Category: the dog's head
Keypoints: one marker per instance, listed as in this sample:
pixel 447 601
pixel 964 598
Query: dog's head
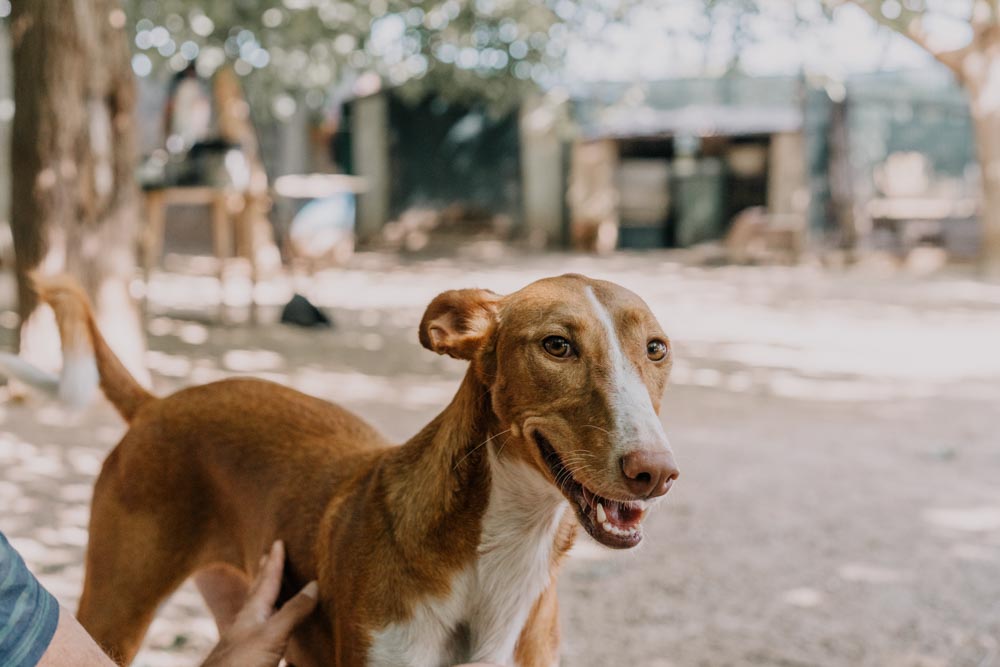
pixel 576 369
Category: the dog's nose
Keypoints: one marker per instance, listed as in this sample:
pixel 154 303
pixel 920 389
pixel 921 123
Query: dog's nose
pixel 649 473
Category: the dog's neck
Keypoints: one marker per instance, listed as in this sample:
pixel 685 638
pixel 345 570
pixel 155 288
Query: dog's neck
pixel 490 518
pixel 438 485
pixel 441 479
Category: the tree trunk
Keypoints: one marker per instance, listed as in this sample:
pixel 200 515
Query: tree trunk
pixel 842 199
pixel 986 122
pixel 74 202
pixel 977 69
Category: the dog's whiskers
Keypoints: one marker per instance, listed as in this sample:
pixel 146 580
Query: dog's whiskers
pixel 502 445
pixel 473 450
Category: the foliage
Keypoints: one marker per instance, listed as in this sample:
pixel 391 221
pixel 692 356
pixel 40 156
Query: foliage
pixel 947 29
pixel 492 50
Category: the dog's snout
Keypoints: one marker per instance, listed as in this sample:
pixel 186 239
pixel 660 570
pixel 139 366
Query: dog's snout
pixel 649 473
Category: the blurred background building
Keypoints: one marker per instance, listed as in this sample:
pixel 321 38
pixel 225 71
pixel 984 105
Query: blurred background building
pixel 804 143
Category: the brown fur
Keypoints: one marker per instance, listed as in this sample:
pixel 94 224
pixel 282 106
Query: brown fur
pixel 205 479
pixel 77 330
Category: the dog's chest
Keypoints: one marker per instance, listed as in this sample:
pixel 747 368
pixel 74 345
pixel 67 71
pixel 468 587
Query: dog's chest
pixel 482 617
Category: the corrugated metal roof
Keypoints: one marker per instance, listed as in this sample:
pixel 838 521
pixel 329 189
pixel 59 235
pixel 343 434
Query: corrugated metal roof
pixel 694 120
pixel 733 105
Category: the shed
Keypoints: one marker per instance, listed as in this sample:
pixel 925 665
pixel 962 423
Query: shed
pixel 684 157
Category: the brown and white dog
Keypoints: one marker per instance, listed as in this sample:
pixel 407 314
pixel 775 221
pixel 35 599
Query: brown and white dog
pixel 438 551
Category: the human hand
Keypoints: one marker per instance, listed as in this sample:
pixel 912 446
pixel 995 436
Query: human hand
pixel 259 635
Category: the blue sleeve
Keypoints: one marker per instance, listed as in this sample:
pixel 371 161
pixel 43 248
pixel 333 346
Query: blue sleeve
pixel 28 613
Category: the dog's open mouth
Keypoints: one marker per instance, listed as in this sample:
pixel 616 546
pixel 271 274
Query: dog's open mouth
pixel 613 523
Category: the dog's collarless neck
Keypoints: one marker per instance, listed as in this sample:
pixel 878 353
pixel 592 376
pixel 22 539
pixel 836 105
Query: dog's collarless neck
pixel 437 483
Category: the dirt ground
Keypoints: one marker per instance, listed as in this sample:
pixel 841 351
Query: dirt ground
pixel 837 434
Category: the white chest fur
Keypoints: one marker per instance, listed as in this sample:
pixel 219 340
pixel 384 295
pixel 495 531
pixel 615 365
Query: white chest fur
pixel 493 596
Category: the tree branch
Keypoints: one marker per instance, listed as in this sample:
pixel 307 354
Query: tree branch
pixel 909 25
pixel 987 18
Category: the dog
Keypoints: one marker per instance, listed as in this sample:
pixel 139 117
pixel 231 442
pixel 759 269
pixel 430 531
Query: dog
pixel 441 550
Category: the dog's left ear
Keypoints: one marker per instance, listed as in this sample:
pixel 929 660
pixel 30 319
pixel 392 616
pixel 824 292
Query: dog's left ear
pixel 458 321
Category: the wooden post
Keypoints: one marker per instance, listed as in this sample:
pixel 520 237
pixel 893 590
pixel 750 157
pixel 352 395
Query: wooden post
pixel 222 237
pixel 152 234
pixel 593 195
pixel 541 172
pixel 370 154
pixel 788 188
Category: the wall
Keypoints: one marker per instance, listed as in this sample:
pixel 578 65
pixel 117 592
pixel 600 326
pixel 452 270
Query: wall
pixel 448 153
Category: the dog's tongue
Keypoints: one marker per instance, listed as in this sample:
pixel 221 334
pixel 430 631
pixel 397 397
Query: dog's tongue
pixel 618 514
pixel 624 516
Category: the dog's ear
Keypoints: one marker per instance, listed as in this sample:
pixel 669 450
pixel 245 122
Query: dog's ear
pixel 458 321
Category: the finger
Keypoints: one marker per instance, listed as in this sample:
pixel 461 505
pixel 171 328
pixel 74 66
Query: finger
pixel 255 583
pixel 264 592
pixel 280 626
pixel 264 565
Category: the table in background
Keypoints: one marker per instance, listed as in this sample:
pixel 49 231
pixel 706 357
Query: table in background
pixel 232 229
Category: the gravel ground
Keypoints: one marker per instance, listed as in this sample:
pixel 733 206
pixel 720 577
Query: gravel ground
pixel 837 433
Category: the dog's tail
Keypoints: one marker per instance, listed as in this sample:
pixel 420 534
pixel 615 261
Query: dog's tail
pixel 87 359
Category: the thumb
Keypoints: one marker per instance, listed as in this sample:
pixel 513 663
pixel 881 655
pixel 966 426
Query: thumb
pixel 293 612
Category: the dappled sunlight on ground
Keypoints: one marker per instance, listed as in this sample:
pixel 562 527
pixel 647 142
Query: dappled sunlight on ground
pixel 790 331
pixel 837 437
pixel 971 519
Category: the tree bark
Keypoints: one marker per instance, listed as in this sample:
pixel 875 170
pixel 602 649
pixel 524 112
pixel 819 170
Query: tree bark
pixel 976 66
pixel 985 108
pixel 74 202
pixel 842 199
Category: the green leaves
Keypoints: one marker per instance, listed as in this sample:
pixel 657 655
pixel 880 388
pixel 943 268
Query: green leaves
pixel 493 50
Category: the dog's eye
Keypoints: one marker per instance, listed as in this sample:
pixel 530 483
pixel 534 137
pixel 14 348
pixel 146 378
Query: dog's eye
pixel 557 346
pixel 656 350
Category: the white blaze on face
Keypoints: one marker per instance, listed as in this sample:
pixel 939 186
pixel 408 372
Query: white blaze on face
pixel 636 424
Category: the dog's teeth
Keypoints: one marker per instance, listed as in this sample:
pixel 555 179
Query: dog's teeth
pixel 601 516
pixel 631 531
